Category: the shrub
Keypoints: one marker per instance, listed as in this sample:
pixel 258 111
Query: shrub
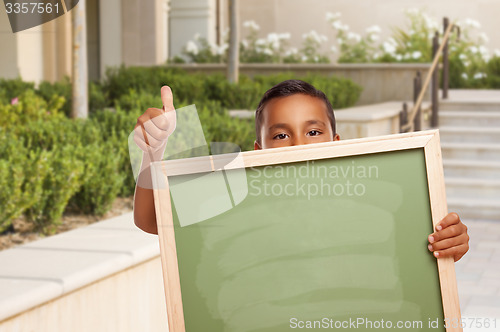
pixel 62 182
pixel 493 72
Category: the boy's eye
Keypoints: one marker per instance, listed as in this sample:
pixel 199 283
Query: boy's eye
pixel 314 133
pixel 280 136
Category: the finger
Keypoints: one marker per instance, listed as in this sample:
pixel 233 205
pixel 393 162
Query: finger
pixel 165 122
pixel 140 133
pixel 455 252
pixel 140 143
pixel 450 219
pixel 155 133
pixel 450 242
pixel 448 232
pixel 167 98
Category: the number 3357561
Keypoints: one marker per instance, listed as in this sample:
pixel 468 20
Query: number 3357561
pixel 31 8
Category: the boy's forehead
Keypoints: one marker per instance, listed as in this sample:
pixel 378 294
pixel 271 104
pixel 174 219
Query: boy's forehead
pixel 295 108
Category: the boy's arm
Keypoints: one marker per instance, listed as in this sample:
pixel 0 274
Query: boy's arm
pixel 450 238
pixel 150 134
pixel 144 208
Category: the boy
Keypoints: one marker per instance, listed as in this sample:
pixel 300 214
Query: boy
pixel 292 112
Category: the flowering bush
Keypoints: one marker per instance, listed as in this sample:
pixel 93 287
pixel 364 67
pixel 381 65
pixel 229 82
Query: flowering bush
pixel 272 49
pixel 468 56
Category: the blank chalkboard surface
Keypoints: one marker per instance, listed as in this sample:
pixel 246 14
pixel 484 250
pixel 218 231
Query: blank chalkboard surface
pixel 330 235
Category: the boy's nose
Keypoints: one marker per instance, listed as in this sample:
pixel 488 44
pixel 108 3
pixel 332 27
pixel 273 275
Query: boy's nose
pixel 298 140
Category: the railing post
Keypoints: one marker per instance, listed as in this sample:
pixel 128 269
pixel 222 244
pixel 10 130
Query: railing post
pixel 435 84
pixel 446 66
pixel 417 87
pixel 403 117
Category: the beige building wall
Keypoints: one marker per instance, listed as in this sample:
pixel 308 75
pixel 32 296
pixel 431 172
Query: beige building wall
pixel 300 16
pixel 8 54
pixel 190 17
pixel 130 32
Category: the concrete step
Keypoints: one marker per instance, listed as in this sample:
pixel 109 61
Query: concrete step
pixel 469 118
pixel 471 151
pixel 467 188
pixel 471 169
pixel 469 134
pixel 458 105
pixel 474 209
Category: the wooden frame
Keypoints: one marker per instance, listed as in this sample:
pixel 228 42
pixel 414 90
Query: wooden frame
pixel 429 140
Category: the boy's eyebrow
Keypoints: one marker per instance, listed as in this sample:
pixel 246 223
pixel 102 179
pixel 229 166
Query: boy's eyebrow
pixel 278 126
pixel 286 126
pixel 312 122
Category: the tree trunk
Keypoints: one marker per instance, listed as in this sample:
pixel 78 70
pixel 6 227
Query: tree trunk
pixel 79 107
pixel 234 52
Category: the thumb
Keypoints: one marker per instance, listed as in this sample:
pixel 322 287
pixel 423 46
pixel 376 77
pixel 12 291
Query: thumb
pixel 167 98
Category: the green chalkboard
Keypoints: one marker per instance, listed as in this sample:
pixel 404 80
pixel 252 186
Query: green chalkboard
pixel 317 243
pixel 324 236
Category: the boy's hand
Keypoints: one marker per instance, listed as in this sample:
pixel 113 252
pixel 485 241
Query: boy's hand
pixel 154 126
pixel 450 238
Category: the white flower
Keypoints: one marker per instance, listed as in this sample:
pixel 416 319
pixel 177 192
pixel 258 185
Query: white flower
pixel 466 63
pixel 340 41
pixel 483 37
pixel 416 55
pixel 465 76
pixel 399 57
pixel 291 51
pixel 191 47
pixel 251 25
pixel 472 23
pixel 334 49
pixel 332 16
pixel 316 59
pixel 376 56
pixel 374 29
pixel 355 36
pixel 222 49
pixel 496 52
pixel 304 58
pixel 314 36
pixel 392 41
pixel 478 76
pixel 267 51
pixel 462 57
pixel 430 23
pixel 411 32
pixel 374 37
pixel 245 43
pixel 389 48
pixel 483 50
pixel 214 49
pixel 260 42
pixel 473 49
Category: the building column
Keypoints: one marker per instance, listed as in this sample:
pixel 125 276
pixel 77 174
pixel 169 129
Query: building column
pixel 190 17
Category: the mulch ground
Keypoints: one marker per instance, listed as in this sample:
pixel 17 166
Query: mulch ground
pixel 22 232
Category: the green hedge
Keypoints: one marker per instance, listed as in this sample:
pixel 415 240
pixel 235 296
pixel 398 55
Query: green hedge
pixel 50 163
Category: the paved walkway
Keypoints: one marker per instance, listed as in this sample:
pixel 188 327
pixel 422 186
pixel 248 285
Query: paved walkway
pixel 478 273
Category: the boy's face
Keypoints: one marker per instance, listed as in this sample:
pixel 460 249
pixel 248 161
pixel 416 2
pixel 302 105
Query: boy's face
pixel 295 120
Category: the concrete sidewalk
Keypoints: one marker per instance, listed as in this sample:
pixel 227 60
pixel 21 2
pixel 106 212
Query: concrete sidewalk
pixel 478 273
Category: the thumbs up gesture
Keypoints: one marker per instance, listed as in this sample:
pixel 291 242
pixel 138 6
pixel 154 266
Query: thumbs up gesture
pixel 154 127
pixel 151 133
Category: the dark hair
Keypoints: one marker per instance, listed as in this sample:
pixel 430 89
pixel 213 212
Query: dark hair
pixel 289 88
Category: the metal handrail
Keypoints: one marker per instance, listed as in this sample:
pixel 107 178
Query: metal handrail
pixel 409 126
